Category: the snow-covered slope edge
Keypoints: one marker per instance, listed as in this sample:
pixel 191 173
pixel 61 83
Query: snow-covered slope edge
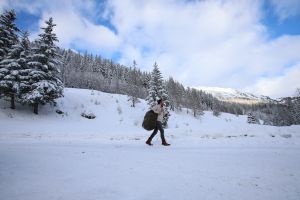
pixel 116 120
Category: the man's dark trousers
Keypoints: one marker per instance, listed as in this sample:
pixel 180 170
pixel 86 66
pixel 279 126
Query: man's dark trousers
pixel 159 127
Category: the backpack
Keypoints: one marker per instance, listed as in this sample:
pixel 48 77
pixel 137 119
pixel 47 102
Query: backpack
pixel 149 122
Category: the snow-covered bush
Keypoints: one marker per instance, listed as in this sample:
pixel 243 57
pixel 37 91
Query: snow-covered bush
pixel 88 115
pixel 216 113
pixel 59 112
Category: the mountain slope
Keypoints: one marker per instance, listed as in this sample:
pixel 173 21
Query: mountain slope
pixel 233 95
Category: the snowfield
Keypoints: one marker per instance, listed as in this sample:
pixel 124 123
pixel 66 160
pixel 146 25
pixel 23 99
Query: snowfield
pixel 66 156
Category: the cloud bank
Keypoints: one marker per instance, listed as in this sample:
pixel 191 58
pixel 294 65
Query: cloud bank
pixel 200 43
pixel 75 26
pixel 212 43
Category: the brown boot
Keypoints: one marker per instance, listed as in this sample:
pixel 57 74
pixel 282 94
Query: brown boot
pixel 149 142
pixel 165 143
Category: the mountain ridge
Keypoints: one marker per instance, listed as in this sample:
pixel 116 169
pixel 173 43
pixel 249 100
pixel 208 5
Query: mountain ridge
pixel 233 95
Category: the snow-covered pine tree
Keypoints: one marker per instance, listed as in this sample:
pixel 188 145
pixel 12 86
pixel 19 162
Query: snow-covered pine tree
pixel 295 108
pixel 25 58
pixel 132 91
pixel 45 81
pixel 297 111
pixel 8 37
pixel 251 119
pixel 8 32
pixel 15 78
pixel 156 91
pixel 171 87
pixel 195 101
pixel 152 87
pixel 132 87
pixel 216 108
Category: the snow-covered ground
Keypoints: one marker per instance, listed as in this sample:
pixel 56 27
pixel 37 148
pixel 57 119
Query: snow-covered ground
pixel 66 156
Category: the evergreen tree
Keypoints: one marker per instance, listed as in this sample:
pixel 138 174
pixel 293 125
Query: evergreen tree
pixel 156 91
pixel 175 94
pixel 132 88
pixel 251 119
pixel 8 38
pixel 155 85
pixel 196 103
pixel 25 58
pixel 132 91
pixel 295 108
pixel 296 111
pixel 8 32
pixel 15 79
pixel 46 85
pixel 216 108
pixel 281 115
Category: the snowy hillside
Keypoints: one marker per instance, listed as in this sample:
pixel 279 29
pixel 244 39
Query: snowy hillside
pixel 66 156
pixel 229 94
pixel 116 119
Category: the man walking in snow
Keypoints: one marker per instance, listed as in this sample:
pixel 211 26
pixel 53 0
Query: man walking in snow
pixel 159 109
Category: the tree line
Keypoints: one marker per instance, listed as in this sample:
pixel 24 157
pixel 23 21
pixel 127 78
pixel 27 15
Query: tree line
pixel 94 72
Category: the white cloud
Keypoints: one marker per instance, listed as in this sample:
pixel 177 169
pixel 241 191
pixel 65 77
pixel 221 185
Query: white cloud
pixel 76 31
pixel 213 43
pixel 279 86
pixel 286 8
pixel 75 25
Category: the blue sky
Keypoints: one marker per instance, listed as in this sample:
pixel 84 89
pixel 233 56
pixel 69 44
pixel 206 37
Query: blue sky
pixel 252 45
pixel 278 27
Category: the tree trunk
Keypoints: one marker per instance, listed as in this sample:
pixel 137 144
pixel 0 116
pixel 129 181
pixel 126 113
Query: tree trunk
pixel 12 101
pixel 36 108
